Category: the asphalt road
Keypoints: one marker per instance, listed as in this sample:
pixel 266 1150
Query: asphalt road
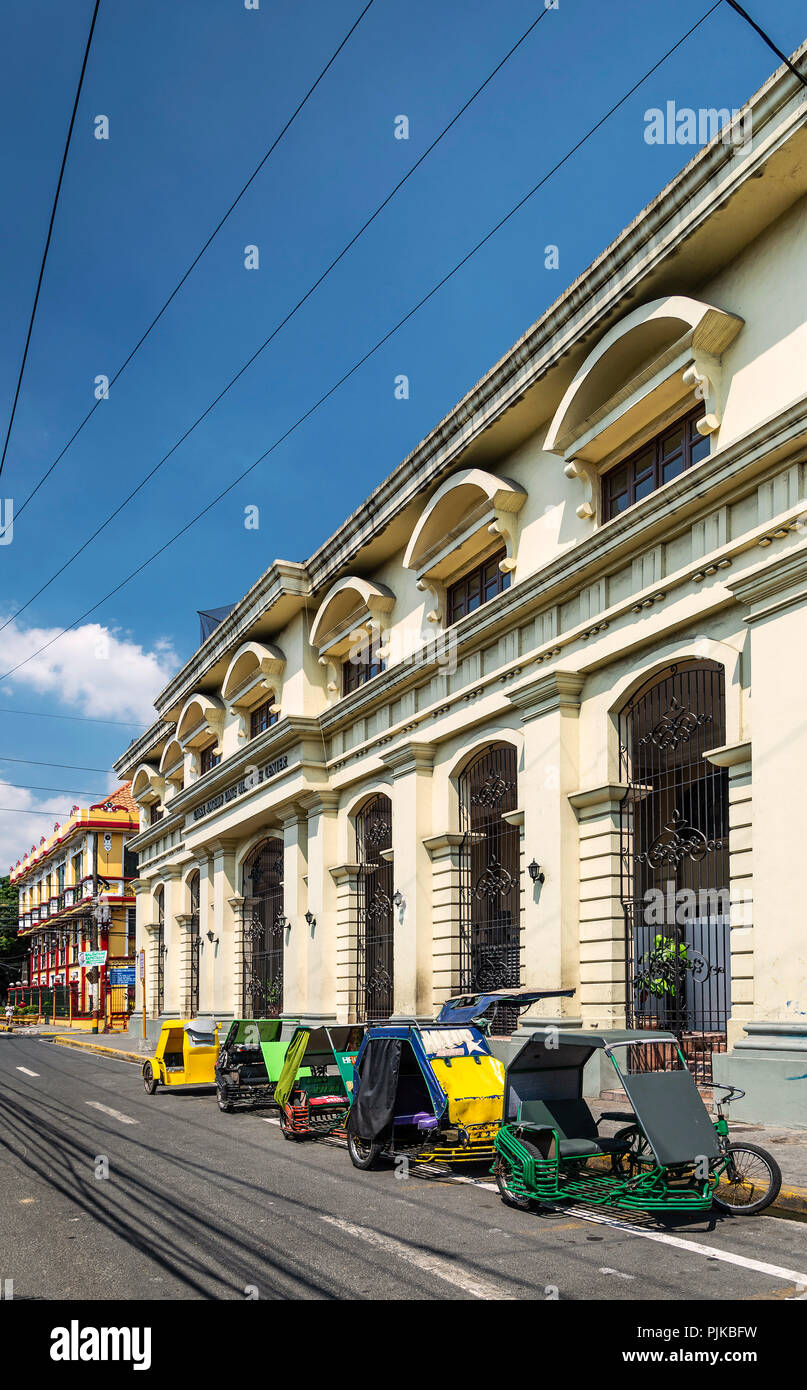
pixel 201 1205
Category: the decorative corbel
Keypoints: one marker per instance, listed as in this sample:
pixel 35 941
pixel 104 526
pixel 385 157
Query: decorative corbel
pixel 704 377
pixel 331 677
pixel 577 468
pixel 438 595
pixel 505 524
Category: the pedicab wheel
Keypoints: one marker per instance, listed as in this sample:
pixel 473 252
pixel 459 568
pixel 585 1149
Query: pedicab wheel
pixel 287 1131
pixel 637 1152
pixel 149 1079
pixel 363 1152
pixel 750 1181
pixel 224 1105
pixel 503 1173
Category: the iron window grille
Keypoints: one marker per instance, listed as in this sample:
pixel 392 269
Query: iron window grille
pixel 476 587
pixel 375 938
pixel 673 451
pixel 262 718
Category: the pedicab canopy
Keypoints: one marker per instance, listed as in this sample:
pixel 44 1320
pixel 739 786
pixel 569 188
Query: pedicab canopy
pixel 320 1047
pixel 468 1008
pixel 545 1081
pixel 253 1032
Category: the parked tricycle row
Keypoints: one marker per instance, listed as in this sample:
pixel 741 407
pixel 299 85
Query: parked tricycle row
pixel 435 1094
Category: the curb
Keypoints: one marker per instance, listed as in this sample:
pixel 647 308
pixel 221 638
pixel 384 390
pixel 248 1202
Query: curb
pixel 62 1041
pixel 792 1199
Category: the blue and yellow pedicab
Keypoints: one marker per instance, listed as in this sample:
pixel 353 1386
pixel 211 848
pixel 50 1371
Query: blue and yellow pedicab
pixel 433 1092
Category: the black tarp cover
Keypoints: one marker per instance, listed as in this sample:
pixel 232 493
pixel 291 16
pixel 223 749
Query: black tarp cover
pixel 372 1111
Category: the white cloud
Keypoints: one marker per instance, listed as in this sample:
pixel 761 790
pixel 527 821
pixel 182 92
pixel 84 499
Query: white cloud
pixel 91 670
pixel 20 831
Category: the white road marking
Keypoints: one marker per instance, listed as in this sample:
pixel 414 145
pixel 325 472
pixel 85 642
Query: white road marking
pixel 618 1272
pixel 267 1120
pixel 712 1252
pixel 432 1264
pixel 116 1114
pixel 27 1071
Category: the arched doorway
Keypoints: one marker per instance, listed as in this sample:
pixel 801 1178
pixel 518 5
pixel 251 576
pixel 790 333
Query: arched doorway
pixel 674 844
pixel 159 899
pixel 195 944
pixel 490 887
pixel 264 921
pixel 375 967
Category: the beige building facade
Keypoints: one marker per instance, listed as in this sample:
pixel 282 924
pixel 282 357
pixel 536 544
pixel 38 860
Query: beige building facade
pixel 535 713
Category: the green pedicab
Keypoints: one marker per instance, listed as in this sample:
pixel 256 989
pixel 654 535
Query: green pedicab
pixel 249 1063
pixel 671 1156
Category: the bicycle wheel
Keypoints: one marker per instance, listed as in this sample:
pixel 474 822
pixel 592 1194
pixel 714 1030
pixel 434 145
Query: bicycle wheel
pixel 503 1172
pixel 626 1164
pixel 750 1181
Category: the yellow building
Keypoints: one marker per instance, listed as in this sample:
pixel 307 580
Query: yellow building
pixel 76 896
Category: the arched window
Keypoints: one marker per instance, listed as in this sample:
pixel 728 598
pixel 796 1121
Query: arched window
pixel 490 888
pixel 195 943
pixel 264 922
pixel 375 970
pixel 159 902
pixel 674 833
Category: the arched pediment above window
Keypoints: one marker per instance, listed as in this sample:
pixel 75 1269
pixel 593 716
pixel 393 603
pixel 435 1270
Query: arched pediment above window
pixel 459 519
pixel 172 762
pixel 255 670
pixel 648 367
pixel 148 786
pixel 201 716
pixel 351 604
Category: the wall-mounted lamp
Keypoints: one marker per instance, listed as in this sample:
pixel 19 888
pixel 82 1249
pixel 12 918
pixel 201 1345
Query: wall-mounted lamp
pixel 535 872
pixel 397 897
pixel 211 936
pixel 310 919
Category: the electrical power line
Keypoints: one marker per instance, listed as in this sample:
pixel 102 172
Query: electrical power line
pixel 371 351
pixel 48 237
pixel 34 762
pixel 768 40
pixel 23 811
pixel 68 791
pixel 278 327
pixel 78 718
pixel 198 256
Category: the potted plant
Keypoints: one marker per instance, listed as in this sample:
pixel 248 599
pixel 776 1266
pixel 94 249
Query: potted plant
pixel 658 973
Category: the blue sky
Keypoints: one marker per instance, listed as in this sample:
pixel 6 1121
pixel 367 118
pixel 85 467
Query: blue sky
pixel 195 91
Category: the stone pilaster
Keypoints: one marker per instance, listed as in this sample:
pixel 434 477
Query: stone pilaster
pixel 295 905
pixel 413 946
pixel 549 707
pixel 346 878
pixel 226 999
pixel 187 945
pixel 737 759
pixel 321 933
pixel 603 990
pixel 444 852
pixel 172 955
